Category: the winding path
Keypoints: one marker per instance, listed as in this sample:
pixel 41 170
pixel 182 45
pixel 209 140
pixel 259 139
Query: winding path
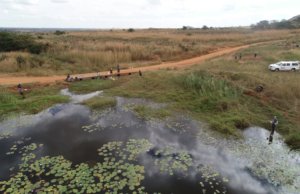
pixel 9 80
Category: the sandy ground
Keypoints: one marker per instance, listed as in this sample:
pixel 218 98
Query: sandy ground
pixel 9 80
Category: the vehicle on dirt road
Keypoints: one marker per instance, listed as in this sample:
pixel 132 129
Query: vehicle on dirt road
pixel 285 66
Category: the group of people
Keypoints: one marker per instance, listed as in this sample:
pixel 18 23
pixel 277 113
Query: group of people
pixel 119 71
pixel 239 56
pixel 110 73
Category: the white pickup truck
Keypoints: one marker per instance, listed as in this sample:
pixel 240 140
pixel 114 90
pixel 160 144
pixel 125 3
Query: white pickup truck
pixel 285 66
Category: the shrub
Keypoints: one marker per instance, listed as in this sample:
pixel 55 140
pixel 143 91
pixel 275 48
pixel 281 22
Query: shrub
pixel 36 48
pixel 36 61
pixel 58 32
pixel 130 30
pixel 2 57
pixel 20 60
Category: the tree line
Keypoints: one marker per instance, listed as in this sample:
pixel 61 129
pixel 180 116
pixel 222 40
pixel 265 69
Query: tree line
pixel 283 24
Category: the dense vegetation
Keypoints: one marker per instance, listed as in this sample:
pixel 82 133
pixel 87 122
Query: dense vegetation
pixel 20 42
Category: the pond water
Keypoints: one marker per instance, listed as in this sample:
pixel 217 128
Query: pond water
pixel 116 151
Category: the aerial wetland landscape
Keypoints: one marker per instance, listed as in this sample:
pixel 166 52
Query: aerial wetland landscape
pixel 169 111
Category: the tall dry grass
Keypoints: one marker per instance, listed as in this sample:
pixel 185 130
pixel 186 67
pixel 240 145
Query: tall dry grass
pixel 78 52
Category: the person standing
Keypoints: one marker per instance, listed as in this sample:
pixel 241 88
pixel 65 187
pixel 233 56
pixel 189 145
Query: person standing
pixel 118 68
pixel 274 123
pixel 20 90
pixel 68 77
pixel 118 71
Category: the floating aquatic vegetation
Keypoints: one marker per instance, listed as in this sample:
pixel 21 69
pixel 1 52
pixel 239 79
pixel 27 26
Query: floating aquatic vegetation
pixel 271 164
pixel 128 151
pixel 212 179
pixel 93 127
pixel 115 176
pixel 22 150
pixel 5 135
pixel 128 107
pixel 176 127
pixel 58 175
pixel 135 147
pixel 170 161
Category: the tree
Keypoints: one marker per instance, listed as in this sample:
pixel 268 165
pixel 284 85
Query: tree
pixel 58 32
pixel 130 30
pixel 184 27
pixel 205 27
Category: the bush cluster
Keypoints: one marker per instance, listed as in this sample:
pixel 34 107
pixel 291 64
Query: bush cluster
pixel 17 42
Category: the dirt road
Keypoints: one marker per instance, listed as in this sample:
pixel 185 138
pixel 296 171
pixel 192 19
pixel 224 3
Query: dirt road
pixel 8 80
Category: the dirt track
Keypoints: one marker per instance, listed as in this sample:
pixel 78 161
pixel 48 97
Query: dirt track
pixel 8 80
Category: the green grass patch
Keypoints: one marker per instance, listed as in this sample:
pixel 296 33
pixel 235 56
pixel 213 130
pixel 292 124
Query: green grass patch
pixel 100 102
pixel 294 141
pixel 88 86
pixel 36 100
pixel 148 113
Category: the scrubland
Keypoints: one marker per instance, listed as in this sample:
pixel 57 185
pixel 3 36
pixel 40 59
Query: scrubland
pixel 92 51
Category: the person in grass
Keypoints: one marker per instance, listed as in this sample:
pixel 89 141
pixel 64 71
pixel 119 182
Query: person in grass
pixel 20 90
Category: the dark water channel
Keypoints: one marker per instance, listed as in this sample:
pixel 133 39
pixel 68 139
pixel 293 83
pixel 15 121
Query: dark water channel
pixel 61 131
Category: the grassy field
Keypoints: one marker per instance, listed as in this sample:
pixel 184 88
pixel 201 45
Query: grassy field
pixel 220 91
pixel 79 52
pixel 100 102
pixel 37 99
